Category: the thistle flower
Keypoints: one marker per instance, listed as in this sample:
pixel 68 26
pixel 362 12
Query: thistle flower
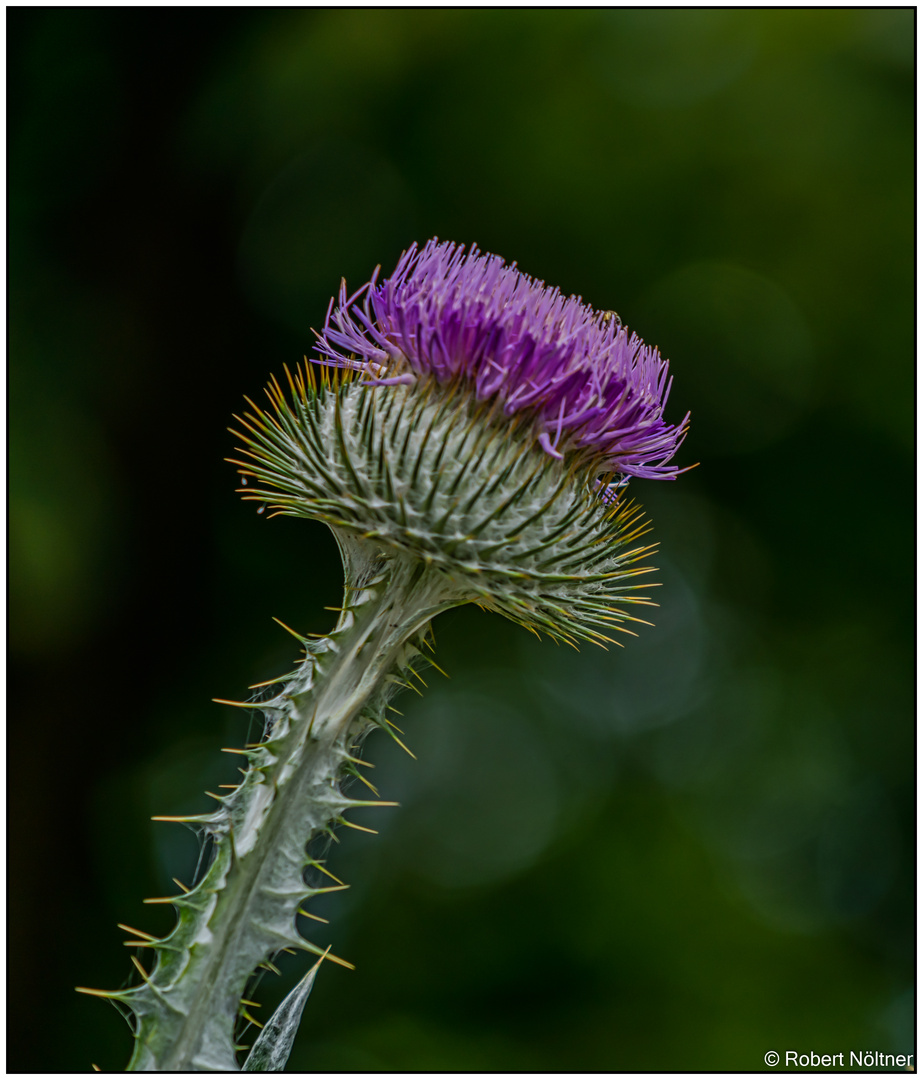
pixel 485 424
pixel 588 384
pixel 468 440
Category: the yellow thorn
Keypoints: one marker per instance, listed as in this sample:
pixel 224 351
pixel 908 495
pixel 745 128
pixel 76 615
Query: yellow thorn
pixel 402 746
pixel 270 966
pixel 327 872
pixel 255 1004
pixel 328 955
pixel 291 952
pixel 308 915
pixel 160 900
pixel 98 993
pixel 249 1018
pixel 294 633
pixel 132 930
pixel 212 795
pixel 291 381
pixel 353 825
pixel 369 785
pixel 233 787
pixel 239 704
pixel 322 958
pixel 168 817
pixel 324 955
pixel 405 685
pixel 181 885
pixel 274 385
pixel 231 750
pixel 96 1068
pixel 137 963
pixel 258 685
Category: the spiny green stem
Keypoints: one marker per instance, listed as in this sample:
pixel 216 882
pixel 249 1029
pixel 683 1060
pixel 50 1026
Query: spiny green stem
pixel 243 910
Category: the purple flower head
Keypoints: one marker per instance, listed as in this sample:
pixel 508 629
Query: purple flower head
pixel 589 384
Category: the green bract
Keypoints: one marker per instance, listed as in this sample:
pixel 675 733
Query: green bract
pixel 429 471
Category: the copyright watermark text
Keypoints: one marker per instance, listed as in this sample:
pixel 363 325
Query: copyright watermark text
pixel 862 1059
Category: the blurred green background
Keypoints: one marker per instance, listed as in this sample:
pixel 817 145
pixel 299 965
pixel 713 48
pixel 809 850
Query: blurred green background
pixel 674 856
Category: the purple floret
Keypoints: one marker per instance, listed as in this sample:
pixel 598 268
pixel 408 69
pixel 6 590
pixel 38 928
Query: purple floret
pixel 589 384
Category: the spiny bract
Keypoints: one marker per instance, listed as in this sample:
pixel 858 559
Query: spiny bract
pixel 431 471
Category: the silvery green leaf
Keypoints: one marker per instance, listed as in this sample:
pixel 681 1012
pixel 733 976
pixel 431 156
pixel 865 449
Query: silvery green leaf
pixel 271 1050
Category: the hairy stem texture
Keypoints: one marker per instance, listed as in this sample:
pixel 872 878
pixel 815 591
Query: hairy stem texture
pixel 243 910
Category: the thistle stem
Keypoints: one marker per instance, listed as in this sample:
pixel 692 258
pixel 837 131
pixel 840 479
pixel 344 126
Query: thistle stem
pixel 243 910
